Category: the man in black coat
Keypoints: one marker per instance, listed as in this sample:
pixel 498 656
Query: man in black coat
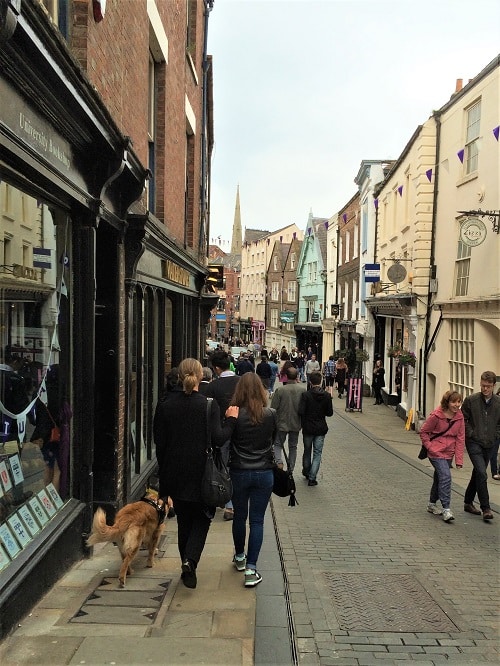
pixel 221 390
pixel 315 404
pixel 264 371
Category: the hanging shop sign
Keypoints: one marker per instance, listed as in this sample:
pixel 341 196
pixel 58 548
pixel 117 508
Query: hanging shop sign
pixel 372 272
pixel 287 317
pixel 473 232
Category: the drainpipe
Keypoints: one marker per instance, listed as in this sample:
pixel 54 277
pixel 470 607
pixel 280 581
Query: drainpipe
pixel 423 375
pixel 204 230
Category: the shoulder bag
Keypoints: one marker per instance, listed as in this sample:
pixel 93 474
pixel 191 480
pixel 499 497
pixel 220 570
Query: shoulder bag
pixel 216 485
pixel 423 451
pixel 284 484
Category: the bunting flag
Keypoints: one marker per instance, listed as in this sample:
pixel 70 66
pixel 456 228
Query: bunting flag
pixel 400 190
pixel 344 217
pixel 326 224
pixel 294 235
pixel 428 173
pixel 281 239
pixel 309 231
pixel 496 131
pixel 461 154
pixel 375 203
pixel 268 241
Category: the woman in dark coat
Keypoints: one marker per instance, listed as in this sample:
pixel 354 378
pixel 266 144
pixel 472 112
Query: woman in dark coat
pixel 378 382
pixel 180 433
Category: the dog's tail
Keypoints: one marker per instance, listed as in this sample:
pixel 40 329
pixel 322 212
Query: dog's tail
pixel 100 531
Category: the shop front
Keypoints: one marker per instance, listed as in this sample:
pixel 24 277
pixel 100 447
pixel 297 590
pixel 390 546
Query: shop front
pixel 310 335
pixel 68 178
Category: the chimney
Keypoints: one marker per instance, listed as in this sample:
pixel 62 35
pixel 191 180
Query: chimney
pixel 458 87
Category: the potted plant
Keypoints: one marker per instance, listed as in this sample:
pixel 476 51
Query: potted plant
pixel 404 356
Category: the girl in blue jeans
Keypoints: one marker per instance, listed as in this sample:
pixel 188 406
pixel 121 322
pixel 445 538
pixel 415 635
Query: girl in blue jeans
pixel 251 465
pixel 443 435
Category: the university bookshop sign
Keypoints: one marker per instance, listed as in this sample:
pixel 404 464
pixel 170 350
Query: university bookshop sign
pixel 473 232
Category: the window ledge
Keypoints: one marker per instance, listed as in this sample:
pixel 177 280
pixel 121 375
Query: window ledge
pixel 468 178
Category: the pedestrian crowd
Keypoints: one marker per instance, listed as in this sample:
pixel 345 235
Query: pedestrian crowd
pixel 256 411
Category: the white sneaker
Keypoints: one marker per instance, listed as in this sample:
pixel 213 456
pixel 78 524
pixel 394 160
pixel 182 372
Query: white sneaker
pixel 252 578
pixel 448 516
pixel 433 508
pixel 240 563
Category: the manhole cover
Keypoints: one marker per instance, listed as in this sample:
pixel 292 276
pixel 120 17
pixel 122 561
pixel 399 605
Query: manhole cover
pixel 139 603
pixel 386 602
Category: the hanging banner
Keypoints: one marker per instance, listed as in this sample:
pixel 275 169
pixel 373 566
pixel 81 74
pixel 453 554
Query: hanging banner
pixel 372 272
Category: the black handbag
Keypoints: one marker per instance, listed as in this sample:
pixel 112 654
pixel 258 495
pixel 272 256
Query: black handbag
pixel 284 483
pixel 216 485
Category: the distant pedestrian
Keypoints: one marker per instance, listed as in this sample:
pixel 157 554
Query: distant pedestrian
pixel 300 363
pixel 341 375
pixel 329 374
pixel 206 379
pixel 264 372
pixel 243 365
pixel 494 456
pixel 482 428
pixel 274 374
pixel 282 376
pixel 378 381
pixel 312 365
pixel 443 435
pixel 315 404
pixel 286 401
pixel 251 465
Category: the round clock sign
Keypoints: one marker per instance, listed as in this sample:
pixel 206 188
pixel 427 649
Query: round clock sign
pixel 473 232
pixel 396 273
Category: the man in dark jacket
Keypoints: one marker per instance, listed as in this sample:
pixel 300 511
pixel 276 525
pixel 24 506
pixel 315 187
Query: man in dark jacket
pixel 482 427
pixel 221 390
pixel 243 365
pixel 264 371
pixel 315 404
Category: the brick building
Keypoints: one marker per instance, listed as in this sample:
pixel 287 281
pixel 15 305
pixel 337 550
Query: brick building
pixel 104 199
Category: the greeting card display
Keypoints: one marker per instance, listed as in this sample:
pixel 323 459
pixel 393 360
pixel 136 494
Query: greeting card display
pixel 28 519
pixel 38 511
pixel 46 503
pixel 9 541
pixel 54 495
pixel 19 529
pixel 4 560
pixel 16 469
pixel 5 477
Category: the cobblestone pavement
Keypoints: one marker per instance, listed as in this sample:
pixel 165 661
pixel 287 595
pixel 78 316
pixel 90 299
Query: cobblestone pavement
pixel 375 579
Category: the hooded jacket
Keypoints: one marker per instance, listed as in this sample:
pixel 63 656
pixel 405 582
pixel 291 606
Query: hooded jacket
pixel 448 445
pixel 314 406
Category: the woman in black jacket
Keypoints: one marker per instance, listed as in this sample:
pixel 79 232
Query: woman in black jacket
pixel 180 433
pixel 378 382
pixel 251 464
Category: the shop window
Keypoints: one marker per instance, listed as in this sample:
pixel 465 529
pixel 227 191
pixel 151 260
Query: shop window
pixel 462 356
pixel 35 404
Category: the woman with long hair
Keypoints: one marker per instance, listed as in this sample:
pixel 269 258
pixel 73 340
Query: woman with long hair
pixel 251 463
pixel 443 435
pixel 378 381
pixel 341 375
pixel 181 435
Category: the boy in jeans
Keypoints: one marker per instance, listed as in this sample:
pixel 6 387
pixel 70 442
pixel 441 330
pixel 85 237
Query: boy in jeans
pixel 315 404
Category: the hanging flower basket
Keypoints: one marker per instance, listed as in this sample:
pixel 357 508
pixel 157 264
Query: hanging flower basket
pixel 404 356
pixel 362 355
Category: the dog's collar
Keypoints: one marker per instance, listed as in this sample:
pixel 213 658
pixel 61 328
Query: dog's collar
pixel 160 508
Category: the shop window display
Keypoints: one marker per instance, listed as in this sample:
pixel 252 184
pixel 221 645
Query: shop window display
pixel 35 411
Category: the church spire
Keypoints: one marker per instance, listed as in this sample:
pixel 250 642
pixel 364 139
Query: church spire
pixel 237 238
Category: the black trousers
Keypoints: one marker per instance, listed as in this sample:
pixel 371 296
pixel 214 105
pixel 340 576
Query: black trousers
pixel 193 524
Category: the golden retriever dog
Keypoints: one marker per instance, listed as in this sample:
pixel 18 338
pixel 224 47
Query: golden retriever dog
pixel 136 523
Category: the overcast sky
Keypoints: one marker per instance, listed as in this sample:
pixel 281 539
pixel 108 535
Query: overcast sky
pixel 304 90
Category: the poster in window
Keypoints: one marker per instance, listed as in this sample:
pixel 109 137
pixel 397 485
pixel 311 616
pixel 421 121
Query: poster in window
pixel 54 495
pixel 29 520
pixel 9 541
pixel 19 529
pixel 5 477
pixel 38 511
pixel 46 503
pixel 15 468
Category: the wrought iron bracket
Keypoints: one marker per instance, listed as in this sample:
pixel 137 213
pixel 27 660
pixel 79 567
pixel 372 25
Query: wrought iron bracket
pixel 492 215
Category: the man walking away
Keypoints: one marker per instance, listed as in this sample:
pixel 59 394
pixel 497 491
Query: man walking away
pixel 286 401
pixel 243 365
pixel 221 390
pixel 482 427
pixel 315 404
pixel 264 372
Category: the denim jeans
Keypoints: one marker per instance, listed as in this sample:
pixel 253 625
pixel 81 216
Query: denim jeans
pixel 312 443
pixel 293 440
pixel 478 483
pixel 441 485
pixel 251 493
